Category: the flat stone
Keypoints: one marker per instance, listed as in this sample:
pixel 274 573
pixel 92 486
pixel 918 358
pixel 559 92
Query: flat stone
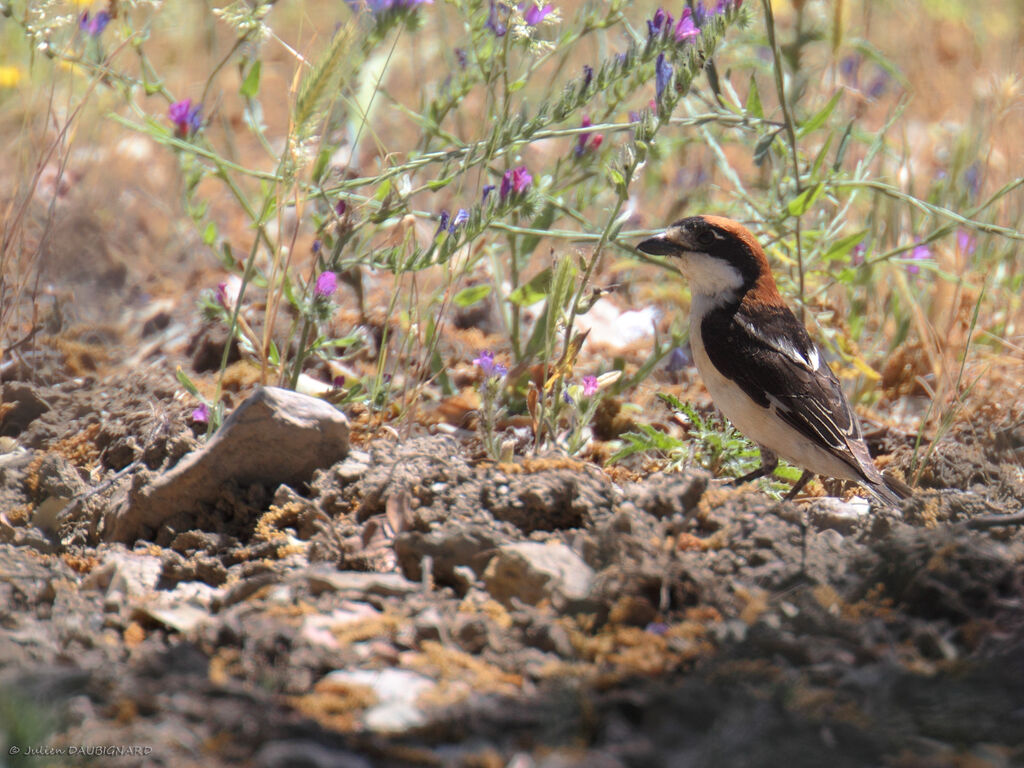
pixel 356 583
pixel 125 573
pixel 276 436
pixel 531 572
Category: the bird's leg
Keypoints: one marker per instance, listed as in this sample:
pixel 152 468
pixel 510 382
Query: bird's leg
pixel 769 461
pixel 804 479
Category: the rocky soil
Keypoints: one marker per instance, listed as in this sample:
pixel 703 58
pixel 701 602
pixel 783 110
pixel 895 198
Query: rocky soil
pixel 412 604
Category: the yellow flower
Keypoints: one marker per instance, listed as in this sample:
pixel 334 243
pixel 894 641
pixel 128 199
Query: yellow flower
pixel 10 76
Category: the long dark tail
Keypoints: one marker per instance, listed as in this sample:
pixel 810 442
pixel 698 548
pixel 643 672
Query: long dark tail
pixel 890 491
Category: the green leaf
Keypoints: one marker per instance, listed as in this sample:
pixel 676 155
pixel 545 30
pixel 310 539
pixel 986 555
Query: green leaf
pixel 842 247
pixel 186 382
pixel 467 297
pixel 843 146
pixel 226 257
pixel 764 145
pixel 440 183
pixel 382 190
pixel 847 275
pixel 251 84
pixel 533 291
pixel 819 119
pixel 753 106
pixel 323 159
pixel 800 204
pixel 820 159
pixel 210 233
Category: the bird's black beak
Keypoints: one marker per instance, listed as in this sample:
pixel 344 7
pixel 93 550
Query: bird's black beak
pixel 658 246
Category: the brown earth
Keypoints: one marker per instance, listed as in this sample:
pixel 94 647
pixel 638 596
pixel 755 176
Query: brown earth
pixel 394 611
pixel 719 628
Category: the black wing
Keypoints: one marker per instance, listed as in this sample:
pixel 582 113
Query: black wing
pixel 775 363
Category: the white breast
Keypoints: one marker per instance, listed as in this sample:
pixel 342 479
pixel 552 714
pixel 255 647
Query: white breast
pixel 761 425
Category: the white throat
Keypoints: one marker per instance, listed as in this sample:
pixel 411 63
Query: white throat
pixel 713 282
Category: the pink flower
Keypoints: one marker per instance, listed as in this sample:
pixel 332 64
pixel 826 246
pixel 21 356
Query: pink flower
pixel 920 253
pixel 583 139
pixel 187 118
pixel 965 242
pixel 326 285
pixel 517 180
pixel 685 28
pixel 222 296
pixel 589 385
pixel 201 415
pixel 535 14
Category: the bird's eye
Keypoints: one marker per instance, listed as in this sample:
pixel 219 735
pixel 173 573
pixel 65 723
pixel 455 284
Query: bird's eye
pixel 705 237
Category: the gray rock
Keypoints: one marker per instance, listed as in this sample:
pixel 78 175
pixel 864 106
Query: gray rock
pixel 354 584
pixel 448 547
pixel 275 436
pixel 838 515
pixel 124 573
pixel 532 572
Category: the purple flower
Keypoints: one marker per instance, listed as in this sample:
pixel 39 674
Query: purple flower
pixel 686 29
pixel 494 23
pixel 965 242
pixel 317 246
pixel 662 75
pixel 340 208
pixel 877 87
pixel 338 381
pixel 517 180
pixel 535 14
pixel 920 253
pixel 589 385
pixel 326 285
pixel 201 415
pixel 93 26
pixel 848 67
pixel 656 628
pixel 488 188
pixel 380 6
pixel 588 75
pixel 461 217
pixel 462 57
pixel 973 178
pixel 187 118
pixel 485 362
pixel 678 359
pixel 583 138
pixel 567 398
pixel 655 23
pixel 443 225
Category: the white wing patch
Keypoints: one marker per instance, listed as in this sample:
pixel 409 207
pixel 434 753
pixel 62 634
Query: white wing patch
pixel 811 361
